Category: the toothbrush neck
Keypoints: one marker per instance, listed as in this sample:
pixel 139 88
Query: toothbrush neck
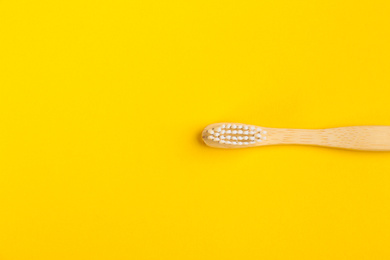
pixel 298 136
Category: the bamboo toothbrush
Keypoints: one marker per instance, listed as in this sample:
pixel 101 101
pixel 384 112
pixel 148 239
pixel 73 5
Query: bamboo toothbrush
pixel 235 135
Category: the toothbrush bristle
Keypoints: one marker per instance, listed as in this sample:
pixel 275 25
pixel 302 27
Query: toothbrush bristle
pixel 234 135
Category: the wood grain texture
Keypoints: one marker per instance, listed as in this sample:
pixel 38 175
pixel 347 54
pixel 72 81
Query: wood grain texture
pixel 365 138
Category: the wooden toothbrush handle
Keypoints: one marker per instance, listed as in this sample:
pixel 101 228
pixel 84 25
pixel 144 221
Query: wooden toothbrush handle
pixel 367 138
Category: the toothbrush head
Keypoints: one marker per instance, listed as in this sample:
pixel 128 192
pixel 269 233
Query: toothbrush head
pixel 233 135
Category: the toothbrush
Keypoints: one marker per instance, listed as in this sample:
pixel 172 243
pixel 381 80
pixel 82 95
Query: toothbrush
pixel 236 135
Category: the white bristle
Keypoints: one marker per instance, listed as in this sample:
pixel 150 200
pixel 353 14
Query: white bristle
pixel 236 134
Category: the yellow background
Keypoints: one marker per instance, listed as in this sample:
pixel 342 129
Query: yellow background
pixel 101 108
